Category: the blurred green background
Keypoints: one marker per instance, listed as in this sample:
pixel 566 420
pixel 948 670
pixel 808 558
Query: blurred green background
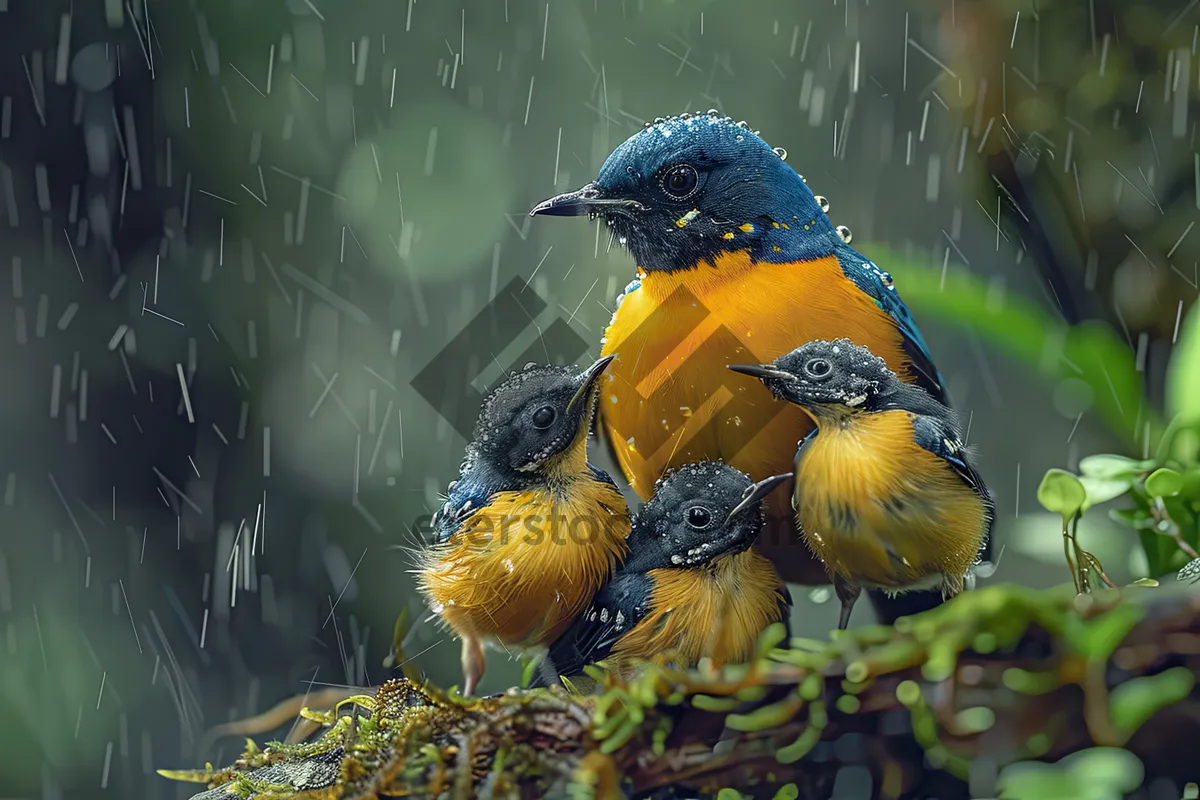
pixel 307 201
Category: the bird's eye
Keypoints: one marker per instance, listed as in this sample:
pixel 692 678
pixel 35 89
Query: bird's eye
pixel 698 517
pixel 680 181
pixel 818 368
pixel 544 417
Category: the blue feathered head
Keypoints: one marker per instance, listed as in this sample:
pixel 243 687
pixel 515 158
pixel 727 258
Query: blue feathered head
pixel 687 188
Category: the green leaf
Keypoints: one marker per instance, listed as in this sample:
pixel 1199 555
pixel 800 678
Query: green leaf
pixel 1106 466
pixel 1109 769
pixel 1090 352
pixel 187 775
pixel 1101 490
pixel 1164 482
pixel 1159 551
pixel 1179 440
pixel 1136 518
pixel 1098 638
pixel 1191 484
pixel 789 791
pixel 1033 780
pixel 1183 373
pixel 1136 700
pixel 1099 773
pixel 528 666
pixel 1061 492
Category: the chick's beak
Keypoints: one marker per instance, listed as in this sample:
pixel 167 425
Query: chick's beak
pixel 586 200
pixel 758 492
pixel 589 380
pixel 761 371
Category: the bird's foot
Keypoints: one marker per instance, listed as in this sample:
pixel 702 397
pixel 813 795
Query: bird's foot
pixel 473 664
pixel 848 594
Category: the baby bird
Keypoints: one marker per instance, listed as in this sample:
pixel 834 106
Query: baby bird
pixel 885 492
pixel 530 530
pixel 691 589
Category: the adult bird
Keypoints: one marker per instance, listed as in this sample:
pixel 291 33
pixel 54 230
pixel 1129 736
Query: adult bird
pixel 530 530
pixel 736 261
pixel 691 589
pixel 885 492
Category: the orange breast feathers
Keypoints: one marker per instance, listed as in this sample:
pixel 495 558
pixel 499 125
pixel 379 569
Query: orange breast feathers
pixel 674 336
pixel 522 567
pixel 717 613
pixel 882 511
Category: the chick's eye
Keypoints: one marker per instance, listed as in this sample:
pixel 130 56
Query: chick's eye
pixel 544 417
pixel 698 517
pixel 680 181
pixel 818 368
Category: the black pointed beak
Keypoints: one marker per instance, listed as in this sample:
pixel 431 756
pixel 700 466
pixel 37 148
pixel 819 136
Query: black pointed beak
pixel 583 201
pixel 589 379
pixel 757 492
pixel 761 371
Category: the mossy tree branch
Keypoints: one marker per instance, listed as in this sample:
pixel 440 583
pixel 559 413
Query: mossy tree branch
pixel 1001 674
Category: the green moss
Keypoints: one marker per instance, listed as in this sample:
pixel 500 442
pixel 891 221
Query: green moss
pixel 411 740
pixel 1025 682
pixel 1098 638
pixel 1138 699
pixel 848 704
pixel 767 717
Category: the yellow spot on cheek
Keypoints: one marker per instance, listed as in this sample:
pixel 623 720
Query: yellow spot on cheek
pixel 776 248
pixel 686 218
pixel 747 228
pixel 785 227
pixel 728 235
pixel 775 224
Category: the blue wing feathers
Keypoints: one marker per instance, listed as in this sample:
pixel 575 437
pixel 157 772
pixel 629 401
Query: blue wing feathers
pixel 472 491
pixel 601 475
pixel 880 287
pixel 935 436
pixel 617 608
